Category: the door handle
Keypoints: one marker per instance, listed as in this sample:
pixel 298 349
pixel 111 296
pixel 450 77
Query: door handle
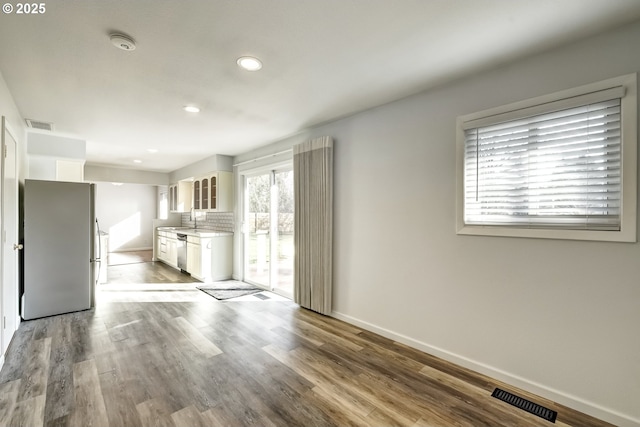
pixel 18 247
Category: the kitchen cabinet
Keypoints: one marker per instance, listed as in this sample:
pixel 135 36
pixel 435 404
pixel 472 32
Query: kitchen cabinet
pixel 220 257
pixel 213 192
pixel 161 244
pixel 70 170
pixel 209 253
pixel 197 195
pixel 221 192
pixel 161 247
pixel 167 245
pixel 173 197
pixel 194 257
pixel 180 196
pixel 209 258
pixel 205 193
pixel 172 250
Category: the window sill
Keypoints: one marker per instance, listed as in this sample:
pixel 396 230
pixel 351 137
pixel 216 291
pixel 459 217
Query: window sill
pixel 628 235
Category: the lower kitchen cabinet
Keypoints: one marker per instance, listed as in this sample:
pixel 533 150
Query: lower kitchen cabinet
pixel 210 258
pixel 159 252
pixel 167 247
pixel 209 254
pixel 194 257
pixel 172 251
pixel 221 257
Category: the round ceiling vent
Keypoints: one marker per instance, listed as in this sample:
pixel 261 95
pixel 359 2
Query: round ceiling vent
pixel 123 42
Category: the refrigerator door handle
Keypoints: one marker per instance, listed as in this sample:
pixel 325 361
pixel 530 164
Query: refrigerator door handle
pixel 99 239
pixel 98 268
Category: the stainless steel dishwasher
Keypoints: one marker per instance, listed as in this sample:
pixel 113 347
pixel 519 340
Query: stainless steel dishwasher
pixel 182 251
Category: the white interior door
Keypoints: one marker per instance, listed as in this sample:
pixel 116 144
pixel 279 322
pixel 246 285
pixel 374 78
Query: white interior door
pixel 10 313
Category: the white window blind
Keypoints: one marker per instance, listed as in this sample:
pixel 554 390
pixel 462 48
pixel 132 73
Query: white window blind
pixel 559 169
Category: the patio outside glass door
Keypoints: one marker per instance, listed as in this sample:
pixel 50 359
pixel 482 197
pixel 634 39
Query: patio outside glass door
pixel 269 230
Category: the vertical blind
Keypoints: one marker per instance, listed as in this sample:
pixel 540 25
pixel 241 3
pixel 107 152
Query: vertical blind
pixel 556 169
pixel 313 224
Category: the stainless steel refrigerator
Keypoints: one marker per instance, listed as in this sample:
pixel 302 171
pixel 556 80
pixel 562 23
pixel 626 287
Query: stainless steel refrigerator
pixel 61 248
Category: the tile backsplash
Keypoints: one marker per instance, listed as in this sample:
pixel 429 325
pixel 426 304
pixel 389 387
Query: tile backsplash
pixel 219 221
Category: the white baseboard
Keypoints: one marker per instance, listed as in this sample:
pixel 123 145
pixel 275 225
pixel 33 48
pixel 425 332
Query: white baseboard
pixel 557 396
pixel 132 249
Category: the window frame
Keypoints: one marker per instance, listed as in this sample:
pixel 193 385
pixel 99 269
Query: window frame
pixel 629 141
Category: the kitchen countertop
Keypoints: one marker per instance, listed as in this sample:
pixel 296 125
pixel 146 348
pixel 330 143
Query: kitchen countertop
pixel 198 232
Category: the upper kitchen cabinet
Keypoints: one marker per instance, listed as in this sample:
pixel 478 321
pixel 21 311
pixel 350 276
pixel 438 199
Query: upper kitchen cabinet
pixel 180 197
pixel 197 194
pixel 214 192
pixel 221 192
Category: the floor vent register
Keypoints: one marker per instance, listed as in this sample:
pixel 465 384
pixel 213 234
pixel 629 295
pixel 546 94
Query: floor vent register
pixel 525 405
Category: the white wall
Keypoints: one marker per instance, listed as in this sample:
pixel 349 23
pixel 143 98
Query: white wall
pixel 213 163
pixel 126 212
pixel 95 173
pixel 16 126
pixel 56 146
pixel 54 157
pixel 559 318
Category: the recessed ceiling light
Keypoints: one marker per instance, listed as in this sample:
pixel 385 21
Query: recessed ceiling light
pixel 191 109
pixel 123 42
pixel 249 63
pixel 137 161
pixel 152 150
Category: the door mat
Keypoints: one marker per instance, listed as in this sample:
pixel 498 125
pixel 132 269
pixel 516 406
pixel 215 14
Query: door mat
pixel 229 289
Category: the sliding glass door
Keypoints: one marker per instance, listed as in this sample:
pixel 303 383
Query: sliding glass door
pixel 257 229
pixel 268 248
pixel 282 270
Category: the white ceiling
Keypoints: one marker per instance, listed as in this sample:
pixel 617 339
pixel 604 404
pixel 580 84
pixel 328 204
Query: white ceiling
pixel 323 59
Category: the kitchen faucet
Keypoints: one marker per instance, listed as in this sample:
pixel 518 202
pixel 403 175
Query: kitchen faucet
pixel 193 216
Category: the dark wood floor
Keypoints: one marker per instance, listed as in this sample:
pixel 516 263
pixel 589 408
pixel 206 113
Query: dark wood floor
pixel 166 354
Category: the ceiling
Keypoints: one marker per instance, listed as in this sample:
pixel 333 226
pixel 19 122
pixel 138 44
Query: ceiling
pixel 323 59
